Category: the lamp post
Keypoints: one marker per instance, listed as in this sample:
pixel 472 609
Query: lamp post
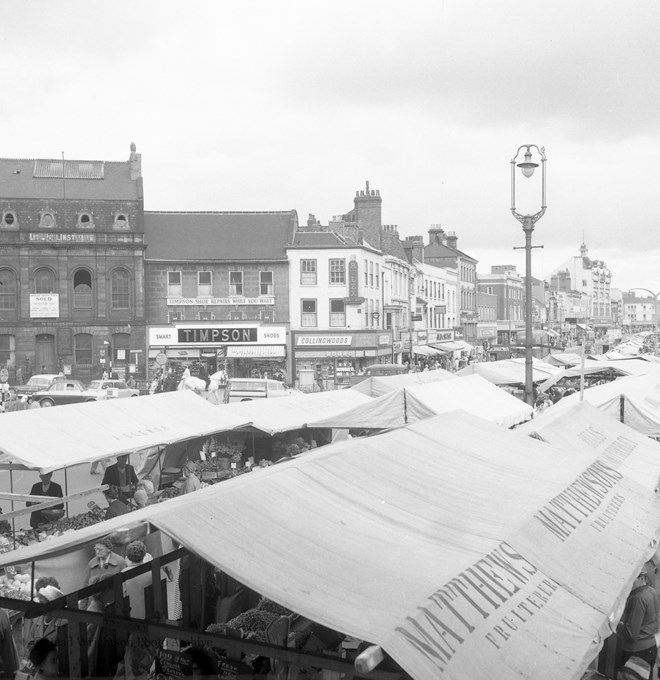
pixel 655 318
pixel 527 167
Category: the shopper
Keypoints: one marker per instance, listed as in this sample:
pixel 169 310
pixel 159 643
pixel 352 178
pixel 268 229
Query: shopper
pixel 191 480
pixel 45 487
pixel 43 657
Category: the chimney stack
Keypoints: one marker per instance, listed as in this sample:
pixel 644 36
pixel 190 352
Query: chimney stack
pixel 452 240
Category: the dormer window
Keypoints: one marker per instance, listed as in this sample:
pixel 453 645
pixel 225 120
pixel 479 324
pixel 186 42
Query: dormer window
pixel 121 221
pixel 85 220
pixel 9 219
pixel 47 219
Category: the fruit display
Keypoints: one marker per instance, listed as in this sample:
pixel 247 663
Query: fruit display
pixel 252 623
pixel 16 586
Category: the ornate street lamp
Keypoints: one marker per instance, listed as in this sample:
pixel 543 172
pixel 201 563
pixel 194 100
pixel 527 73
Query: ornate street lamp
pixel 527 166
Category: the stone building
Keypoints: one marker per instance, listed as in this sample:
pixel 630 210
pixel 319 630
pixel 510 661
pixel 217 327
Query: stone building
pixel 71 267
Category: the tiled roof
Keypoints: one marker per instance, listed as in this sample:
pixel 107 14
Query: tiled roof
pixel 392 245
pixel 42 178
pixel 319 239
pixel 229 236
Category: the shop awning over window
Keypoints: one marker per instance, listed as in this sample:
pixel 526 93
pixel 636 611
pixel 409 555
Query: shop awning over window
pixel 260 351
pixel 427 351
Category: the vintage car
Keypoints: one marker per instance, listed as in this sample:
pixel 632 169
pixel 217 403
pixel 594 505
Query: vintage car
pixel 246 389
pixel 38 383
pixel 64 392
pixel 112 389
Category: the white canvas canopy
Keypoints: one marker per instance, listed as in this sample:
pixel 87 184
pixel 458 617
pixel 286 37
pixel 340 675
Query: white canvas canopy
pixel 377 386
pixel 449 543
pixel 635 399
pixel 52 438
pixel 564 359
pixel 292 413
pixel 410 404
pixel 583 425
pixel 509 371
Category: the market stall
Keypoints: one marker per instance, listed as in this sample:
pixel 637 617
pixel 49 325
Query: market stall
pixel 330 536
pixel 407 405
pixel 510 371
pixel 377 386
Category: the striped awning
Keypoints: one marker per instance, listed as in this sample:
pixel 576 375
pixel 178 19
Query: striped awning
pixel 261 351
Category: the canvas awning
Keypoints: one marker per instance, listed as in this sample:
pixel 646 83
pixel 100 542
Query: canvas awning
pixel 508 371
pixel 284 414
pixel 453 346
pixel 377 386
pixel 263 351
pixel 52 438
pixel 416 402
pixel 427 351
pixel 447 543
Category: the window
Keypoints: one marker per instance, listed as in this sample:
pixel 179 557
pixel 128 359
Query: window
pixel 489 290
pixel 267 316
pixel 205 316
pixel 9 219
pixel 85 220
pixel 7 350
pixel 174 316
pixel 121 221
pixel 308 316
pixel 174 287
pixel 371 274
pixel 82 349
pixel 235 283
pixel 120 289
pixel 337 313
pixel 204 284
pixel 44 281
pixel 236 316
pixel 47 219
pixel 337 270
pixel 366 273
pixel 82 289
pixel 307 272
pixel 265 283
pixel 377 275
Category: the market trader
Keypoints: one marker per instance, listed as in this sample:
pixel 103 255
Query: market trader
pixel 44 488
pixel 122 475
pixel 639 622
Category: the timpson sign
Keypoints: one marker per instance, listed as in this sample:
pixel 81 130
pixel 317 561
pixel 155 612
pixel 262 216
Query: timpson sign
pixel 217 335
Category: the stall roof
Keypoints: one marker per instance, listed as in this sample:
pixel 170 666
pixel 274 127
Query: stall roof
pixel 583 425
pixel 479 508
pixel 410 404
pixel 377 386
pixel 52 438
pixel 509 371
pixel 564 358
pixel 291 413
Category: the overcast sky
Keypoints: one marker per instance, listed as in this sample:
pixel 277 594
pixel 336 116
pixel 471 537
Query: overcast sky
pixel 273 105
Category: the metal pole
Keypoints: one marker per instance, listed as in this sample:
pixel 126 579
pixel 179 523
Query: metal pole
pixel 528 227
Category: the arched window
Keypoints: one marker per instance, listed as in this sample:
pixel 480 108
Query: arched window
pixel 82 349
pixel 7 289
pixel 82 289
pixel 44 281
pixel 120 287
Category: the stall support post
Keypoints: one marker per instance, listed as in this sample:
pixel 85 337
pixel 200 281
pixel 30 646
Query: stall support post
pixel 75 639
pixel 66 491
pixel 13 522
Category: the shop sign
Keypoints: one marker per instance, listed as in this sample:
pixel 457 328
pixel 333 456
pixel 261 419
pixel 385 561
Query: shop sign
pixel 64 238
pixel 397 346
pixel 383 339
pixel 313 340
pixel 44 306
pixel 445 335
pixel 218 335
pixel 353 291
pixel 220 301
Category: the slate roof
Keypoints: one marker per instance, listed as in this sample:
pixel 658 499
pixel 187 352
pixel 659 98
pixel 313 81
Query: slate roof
pixel 319 239
pixel 42 178
pixel 437 250
pixel 230 236
pixel 392 245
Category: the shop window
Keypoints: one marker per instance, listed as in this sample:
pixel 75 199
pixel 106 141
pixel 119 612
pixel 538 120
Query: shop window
pixel 308 313
pixel 235 284
pixel 204 284
pixel 120 287
pixel 307 272
pixel 265 283
pixel 174 316
pixel 44 281
pixel 7 289
pixel 82 349
pixel 174 287
pixel 337 270
pixel 337 313
pixel 7 350
pixel 82 289
pixel 9 220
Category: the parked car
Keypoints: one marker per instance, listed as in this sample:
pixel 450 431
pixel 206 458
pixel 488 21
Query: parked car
pixel 38 383
pixel 112 389
pixel 246 389
pixel 64 392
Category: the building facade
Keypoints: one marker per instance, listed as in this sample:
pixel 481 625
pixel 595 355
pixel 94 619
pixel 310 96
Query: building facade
pixel 71 267
pixel 507 285
pixel 218 291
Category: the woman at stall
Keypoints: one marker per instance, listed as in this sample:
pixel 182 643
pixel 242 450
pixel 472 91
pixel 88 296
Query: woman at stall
pixel 191 480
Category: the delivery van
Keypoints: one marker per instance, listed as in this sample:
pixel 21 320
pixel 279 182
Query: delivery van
pixel 246 389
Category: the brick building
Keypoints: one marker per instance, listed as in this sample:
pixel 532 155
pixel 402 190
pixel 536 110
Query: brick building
pixel 71 272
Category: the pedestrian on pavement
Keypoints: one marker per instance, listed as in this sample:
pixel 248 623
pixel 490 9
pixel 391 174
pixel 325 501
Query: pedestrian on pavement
pixel 639 622
pixel 44 488
pixel 122 475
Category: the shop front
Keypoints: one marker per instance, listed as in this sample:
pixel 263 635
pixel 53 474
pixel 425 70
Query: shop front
pixel 325 361
pixel 240 350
